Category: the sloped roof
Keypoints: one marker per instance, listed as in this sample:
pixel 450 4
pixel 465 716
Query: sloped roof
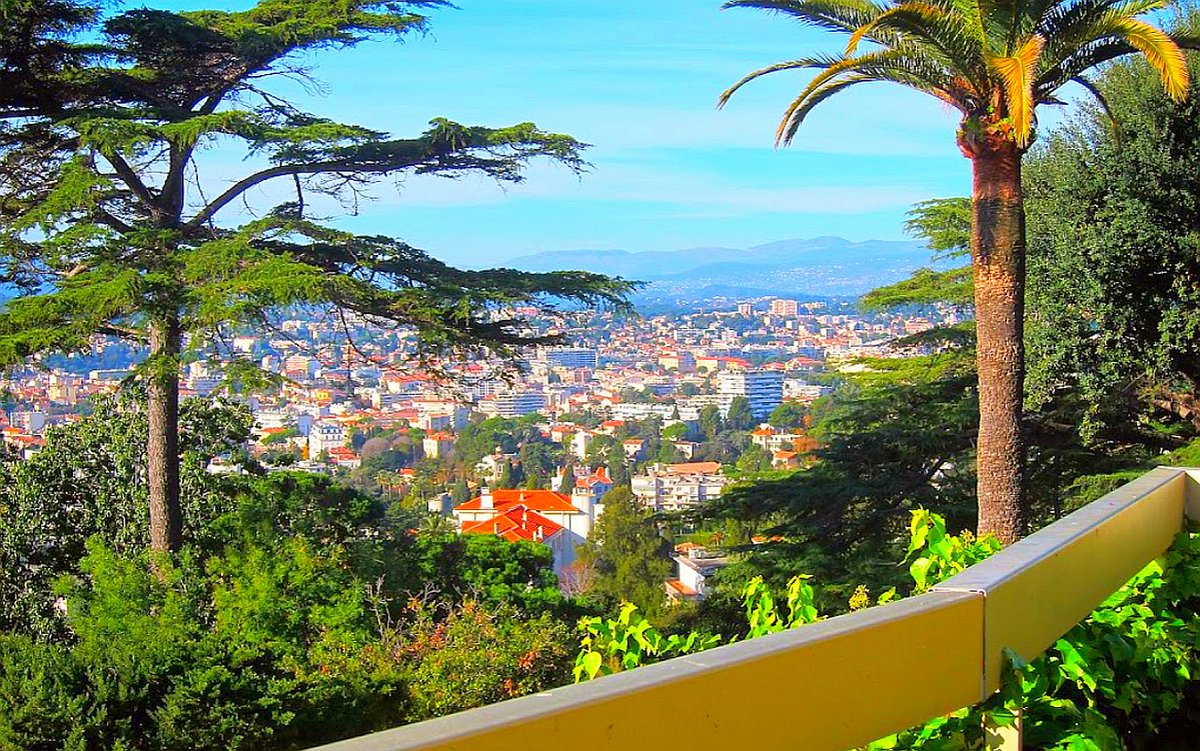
pixel 515 523
pixel 694 468
pixel 536 500
pixel 599 477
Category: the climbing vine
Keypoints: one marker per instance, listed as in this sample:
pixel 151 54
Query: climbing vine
pixel 1121 679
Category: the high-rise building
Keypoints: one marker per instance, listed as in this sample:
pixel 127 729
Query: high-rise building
pixel 764 389
pixel 570 357
pixel 515 404
pixel 745 309
pixel 785 308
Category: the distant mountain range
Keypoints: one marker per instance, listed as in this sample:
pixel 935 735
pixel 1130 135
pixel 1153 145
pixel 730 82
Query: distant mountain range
pixel 813 268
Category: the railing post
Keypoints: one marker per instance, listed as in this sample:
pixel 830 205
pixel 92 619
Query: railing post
pixel 1007 738
pixel 1192 497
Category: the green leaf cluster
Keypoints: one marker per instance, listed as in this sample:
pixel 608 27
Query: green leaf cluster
pixel 1121 679
pixel 628 553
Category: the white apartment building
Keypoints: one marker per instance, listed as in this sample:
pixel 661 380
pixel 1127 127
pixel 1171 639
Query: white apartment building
pixel 570 357
pixel 325 436
pixel 674 487
pixel 764 389
pixel 785 308
pixel 514 404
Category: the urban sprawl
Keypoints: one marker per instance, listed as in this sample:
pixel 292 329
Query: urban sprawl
pixel 648 401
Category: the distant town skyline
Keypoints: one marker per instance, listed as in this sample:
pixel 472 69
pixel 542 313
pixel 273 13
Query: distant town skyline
pixel 639 82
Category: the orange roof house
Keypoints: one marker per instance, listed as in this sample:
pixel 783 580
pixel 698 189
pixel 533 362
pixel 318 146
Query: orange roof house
pixel 515 524
pixel 595 480
pixel 694 468
pixel 536 500
pixel 537 515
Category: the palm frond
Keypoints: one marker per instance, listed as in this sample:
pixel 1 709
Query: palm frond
pixel 1098 95
pixel 800 108
pixel 1160 50
pixel 836 15
pixel 893 66
pixel 1061 20
pixel 1017 74
pixel 799 64
pixel 934 31
pixel 1068 27
pixel 1082 59
pixel 908 11
pixel 974 54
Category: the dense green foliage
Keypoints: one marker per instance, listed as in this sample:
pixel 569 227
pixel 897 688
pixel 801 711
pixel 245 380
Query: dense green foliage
pixel 302 611
pixel 893 438
pixel 628 553
pixel 90 479
pixel 276 646
pixel 475 655
pixel 1121 679
pixel 1116 322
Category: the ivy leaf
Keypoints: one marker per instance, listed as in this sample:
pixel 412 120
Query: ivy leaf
pixel 591 664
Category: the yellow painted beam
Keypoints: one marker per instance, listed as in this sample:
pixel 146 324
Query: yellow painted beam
pixel 1037 589
pixel 1192 500
pixel 828 686
pixel 844 682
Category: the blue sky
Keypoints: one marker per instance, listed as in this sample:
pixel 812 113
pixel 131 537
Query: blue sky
pixel 639 81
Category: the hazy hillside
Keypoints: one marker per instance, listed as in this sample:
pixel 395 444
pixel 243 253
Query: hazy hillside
pixel 821 266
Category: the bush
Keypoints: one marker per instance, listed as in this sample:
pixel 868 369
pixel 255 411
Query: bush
pixel 44 704
pixel 1121 679
pixel 267 647
pixel 475 655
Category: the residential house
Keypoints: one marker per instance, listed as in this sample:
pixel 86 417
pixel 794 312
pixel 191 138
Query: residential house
pixel 694 567
pixel 674 487
pixel 520 512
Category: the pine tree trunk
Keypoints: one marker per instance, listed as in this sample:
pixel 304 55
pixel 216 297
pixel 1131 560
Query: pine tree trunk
pixel 162 446
pixel 998 258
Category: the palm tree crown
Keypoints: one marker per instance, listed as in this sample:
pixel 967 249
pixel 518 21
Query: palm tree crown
pixel 994 61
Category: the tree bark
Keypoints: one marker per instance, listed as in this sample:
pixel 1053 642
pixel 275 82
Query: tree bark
pixel 162 445
pixel 998 261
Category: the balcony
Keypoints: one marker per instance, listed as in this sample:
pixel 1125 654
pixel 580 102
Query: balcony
pixel 844 682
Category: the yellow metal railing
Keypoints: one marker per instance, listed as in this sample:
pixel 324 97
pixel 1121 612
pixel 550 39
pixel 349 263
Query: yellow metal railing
pixel 846 681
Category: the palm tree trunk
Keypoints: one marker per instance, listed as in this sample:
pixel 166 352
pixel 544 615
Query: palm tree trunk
pixel 998 259
pixel 162 446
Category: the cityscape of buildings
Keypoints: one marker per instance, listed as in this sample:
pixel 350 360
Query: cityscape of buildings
pixel 336 380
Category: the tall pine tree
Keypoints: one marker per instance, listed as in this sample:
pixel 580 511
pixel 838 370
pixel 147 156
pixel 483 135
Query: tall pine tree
pixel 105 227
pixel 628 553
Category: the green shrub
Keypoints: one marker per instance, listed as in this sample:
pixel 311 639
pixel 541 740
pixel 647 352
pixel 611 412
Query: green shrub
pixel 475 655
pixel 1121 679
pixel 44 703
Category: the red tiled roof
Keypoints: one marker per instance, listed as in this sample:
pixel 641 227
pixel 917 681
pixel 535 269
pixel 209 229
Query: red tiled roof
pixel 694 468
pixel 679 589
pixel 536 500
pixel 599 477
pixel 516 523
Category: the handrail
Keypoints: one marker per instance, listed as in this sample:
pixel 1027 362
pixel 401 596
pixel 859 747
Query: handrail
pixel 846 681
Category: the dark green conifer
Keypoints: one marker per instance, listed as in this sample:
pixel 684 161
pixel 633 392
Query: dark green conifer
pixel 104 227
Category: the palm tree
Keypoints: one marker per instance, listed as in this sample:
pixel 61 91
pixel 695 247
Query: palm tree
pixel 994 61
